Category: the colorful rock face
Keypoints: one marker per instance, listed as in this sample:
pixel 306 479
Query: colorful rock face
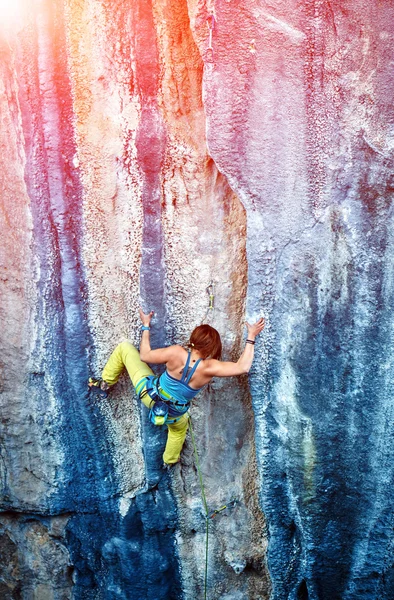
pixel 149 149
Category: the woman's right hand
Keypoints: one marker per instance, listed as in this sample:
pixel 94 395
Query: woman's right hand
pixel 255 329
pixel 146 319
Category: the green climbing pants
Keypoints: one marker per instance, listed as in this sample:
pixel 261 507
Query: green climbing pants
pixel 127 355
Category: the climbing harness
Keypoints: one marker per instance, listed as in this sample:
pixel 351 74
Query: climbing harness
pixel 158 413
pixel 211 302
pixel 164 407
pixel 159 407
pixel 211 25
pixel 208 515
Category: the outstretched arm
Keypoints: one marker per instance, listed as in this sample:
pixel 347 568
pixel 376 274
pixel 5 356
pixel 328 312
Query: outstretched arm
pixel 156 357
pixel 243 364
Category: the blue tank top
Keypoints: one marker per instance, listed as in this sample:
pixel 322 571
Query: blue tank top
pixel 179 389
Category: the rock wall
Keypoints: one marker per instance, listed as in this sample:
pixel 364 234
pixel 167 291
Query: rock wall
pixel 140 165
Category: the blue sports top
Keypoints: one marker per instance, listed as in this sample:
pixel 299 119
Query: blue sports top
pixel 179 389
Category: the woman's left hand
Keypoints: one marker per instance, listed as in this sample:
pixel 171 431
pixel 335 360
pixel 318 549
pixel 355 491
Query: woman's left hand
pixel 146 319
pixel 255 329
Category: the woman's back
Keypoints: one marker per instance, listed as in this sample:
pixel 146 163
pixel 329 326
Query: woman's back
pixel 177 363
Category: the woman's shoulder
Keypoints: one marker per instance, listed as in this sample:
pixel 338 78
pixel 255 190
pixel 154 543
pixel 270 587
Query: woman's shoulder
pixel 209 363
pixel 178 348
pixel 177 351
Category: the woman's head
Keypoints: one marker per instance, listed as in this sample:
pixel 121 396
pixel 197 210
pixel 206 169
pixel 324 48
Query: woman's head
pixel 206 340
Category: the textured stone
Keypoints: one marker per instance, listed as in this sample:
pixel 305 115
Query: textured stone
pixel 34 560
pixel 306 142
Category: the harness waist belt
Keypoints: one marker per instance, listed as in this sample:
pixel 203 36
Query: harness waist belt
pixel 167 398
pixel 152 385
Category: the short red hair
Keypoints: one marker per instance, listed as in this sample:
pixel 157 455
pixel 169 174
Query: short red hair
pixel 206 340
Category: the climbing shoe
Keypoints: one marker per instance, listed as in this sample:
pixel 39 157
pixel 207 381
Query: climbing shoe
pixel 169 467
pixel 99 387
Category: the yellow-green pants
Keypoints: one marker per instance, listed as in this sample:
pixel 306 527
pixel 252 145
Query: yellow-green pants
pixel 126 355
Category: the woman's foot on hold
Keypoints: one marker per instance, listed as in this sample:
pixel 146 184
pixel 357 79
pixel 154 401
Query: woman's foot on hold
pixel 169 467
pixel 99 387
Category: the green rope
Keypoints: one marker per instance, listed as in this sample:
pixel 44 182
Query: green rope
pixel 204 499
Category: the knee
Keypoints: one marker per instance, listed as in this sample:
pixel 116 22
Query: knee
pixel 176 437
pixel 126 347
pixel 177 432
pixel 184 423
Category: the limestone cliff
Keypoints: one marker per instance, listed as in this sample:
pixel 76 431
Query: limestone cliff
pixel 151 148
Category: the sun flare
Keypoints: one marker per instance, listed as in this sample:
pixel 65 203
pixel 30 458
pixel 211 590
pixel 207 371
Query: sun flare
pixel 9 10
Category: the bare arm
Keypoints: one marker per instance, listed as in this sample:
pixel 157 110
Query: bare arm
pixel 218 368
pixel 158 356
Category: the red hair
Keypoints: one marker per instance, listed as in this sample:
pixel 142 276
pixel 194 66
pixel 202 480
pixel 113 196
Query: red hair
pixel 206 340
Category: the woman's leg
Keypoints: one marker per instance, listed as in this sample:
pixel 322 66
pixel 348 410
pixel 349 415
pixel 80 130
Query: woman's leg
pixel 126 355
pixel 175 440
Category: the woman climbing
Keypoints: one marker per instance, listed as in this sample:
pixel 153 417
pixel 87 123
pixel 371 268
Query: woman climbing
pixel 187 371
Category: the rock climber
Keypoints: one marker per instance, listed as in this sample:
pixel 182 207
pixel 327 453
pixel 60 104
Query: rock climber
pixel 169 395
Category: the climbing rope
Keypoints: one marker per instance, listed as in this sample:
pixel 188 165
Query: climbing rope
pixel 208 515
pixel 204 499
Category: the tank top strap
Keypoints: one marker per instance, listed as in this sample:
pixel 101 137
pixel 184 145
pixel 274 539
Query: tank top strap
pixel 186 368
pixel 188 378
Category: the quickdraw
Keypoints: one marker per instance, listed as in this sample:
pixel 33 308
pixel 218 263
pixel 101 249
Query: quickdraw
pixel 230 504
pixel 211 301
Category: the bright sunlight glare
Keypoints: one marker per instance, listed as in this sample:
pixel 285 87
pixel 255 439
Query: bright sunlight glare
pixel 9 11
